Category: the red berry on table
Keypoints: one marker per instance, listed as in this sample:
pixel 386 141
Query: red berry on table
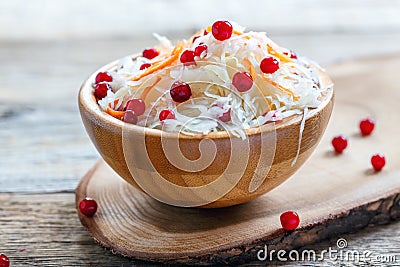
pixel 101 89
pixel 289 220
pixel 166 114
pixel 222 30
pixel 200 49
pixel 269 65
pixel 242 81
pixel 88 207
pixel 180 91
pixel 137 105
pixel 226 116
pixel 144 66
pixel 367 126
pixel 150 53
pixel 339 143
pixel 187 57
pixel 103 77
pixel 130 117
pixel 4 261
pixel 378 161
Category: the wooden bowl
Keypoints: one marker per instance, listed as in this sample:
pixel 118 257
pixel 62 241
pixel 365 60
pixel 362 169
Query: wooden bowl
pixel 107 134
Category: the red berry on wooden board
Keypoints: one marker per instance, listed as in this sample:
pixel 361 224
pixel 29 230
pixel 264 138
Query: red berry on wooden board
pixel 103 77
pixel 88 207
pixel 150 53
pixel 137 105
pixel 269 65
pixel 222 30
pixel 339 143
pixel 367 126
pixel 187 57
pixel 166 114
pixel 289 220
pixel 144 66
pixel 242 81
pixel 4 261
pixel 130 117
pixel 180 91
pixel 378 161
pixel 101 89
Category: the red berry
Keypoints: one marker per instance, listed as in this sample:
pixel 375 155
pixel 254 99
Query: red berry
pixel 150 53
pixel 292 54
pixel 242 81
pixel 166 114
pixel 130 117
pixel 378 161
pixel 103 77
pixel 88 207
pixel 367 126
pixel 101 89
pixel 222 30
pixel 226 116
pixel 4 261
pixel 289 220
pixel 180 91
pixel 200 49
pixel 339 143
pixel 145 66
pixel 187 57
pixel 137 105
pixel 269 65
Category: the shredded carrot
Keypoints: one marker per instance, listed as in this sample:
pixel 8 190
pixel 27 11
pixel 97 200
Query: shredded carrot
pixel 289 92
pixel 162 64
pixel 148 88
pixel 275 53
pixel 115 113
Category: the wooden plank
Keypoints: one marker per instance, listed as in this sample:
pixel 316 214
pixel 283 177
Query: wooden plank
pixel 43 230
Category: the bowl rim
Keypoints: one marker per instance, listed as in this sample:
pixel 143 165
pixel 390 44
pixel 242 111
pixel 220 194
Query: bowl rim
pixel 87 101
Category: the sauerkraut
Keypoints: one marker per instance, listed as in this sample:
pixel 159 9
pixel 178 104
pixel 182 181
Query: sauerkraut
pixel 215 103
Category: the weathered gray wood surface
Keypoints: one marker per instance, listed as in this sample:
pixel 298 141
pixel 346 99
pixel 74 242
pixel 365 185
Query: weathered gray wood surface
pixel 44 150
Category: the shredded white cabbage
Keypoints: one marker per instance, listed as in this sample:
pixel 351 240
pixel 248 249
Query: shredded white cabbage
pixel 291 90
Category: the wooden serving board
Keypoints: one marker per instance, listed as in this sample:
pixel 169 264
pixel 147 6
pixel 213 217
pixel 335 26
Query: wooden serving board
pixel 333 194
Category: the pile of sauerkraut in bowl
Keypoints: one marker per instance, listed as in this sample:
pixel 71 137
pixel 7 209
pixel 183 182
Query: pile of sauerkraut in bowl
pixel 221 78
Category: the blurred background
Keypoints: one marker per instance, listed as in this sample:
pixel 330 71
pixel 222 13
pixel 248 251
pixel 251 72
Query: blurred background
pixel 48 47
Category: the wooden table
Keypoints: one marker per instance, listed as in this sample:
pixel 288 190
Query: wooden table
pixel 44 149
